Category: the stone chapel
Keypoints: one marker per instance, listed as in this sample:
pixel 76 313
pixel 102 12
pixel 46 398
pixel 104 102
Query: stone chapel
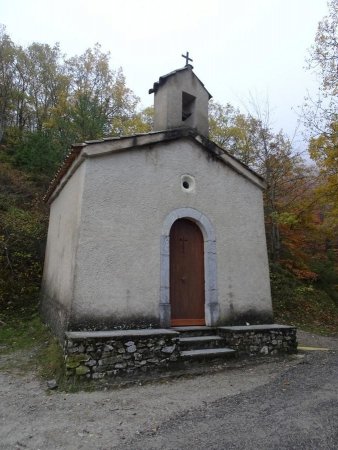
pixel 156 230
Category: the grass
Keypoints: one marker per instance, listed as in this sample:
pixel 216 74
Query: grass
pixel 27 344
pixel 21 333
pixel 306 306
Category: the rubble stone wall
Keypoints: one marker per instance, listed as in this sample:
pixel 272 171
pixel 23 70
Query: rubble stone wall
pixel 118 353
pixel 260 339
pixel 99 354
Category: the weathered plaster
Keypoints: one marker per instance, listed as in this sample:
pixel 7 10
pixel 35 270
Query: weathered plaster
pixel 60 257
pixel 126 200
pixel 168 103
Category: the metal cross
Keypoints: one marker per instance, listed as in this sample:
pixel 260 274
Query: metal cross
pixel 183 240
pixel 187 59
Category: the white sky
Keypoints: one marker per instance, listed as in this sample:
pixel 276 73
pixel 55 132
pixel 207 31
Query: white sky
pixel 238 46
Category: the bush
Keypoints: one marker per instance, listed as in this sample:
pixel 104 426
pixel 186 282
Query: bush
pixel 327 275
pixel 23 226
pixel 302 304
pixel 38 153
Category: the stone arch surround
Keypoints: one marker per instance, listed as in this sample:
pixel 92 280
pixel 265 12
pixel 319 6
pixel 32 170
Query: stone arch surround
pixel 210 265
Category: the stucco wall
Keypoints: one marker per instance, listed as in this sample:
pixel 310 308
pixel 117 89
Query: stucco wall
pixel 168 103
pixel 59 266
pixel 127 197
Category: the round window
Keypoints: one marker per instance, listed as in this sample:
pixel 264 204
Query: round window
pixel 188 183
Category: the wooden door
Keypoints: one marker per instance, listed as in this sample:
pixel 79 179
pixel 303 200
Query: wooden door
pixel 186 274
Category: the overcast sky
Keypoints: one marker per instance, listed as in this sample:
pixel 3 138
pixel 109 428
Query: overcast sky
pixel 238 46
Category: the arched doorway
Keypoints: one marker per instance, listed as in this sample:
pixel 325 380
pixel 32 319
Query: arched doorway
pixel 212 310
pixel 187 286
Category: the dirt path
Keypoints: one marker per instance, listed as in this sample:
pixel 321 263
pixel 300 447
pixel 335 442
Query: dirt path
pixel 311 339
pixel 34 418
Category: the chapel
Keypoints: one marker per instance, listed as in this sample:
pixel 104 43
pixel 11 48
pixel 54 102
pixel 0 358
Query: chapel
pixel 156 230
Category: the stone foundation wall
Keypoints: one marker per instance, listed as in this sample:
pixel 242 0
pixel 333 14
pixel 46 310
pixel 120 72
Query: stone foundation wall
pixel 260 339
pixel 94 355
pixel 98 354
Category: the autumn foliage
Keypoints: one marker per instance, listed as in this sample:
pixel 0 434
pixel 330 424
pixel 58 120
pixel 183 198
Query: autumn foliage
pixel 49 101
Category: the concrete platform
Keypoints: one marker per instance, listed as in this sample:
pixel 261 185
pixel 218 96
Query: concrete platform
pixel 200 339
pixel 148 332
pixel 208 353
pixel 273 326
pixel 193 328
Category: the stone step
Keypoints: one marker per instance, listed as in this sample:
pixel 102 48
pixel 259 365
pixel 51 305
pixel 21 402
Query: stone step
pixel 208 353
pixel 195 331
pixel 200 342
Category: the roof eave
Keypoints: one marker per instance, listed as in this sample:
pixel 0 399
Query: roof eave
pixel 90 149
pixel 164 78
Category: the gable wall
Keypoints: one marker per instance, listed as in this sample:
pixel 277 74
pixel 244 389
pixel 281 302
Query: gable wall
pixel 127 197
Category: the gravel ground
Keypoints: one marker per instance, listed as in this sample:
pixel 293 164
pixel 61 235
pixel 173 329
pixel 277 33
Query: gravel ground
pixel 279 403
pixel 296 410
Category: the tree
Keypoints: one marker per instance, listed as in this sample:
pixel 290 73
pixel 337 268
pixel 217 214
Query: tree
pixel 324 52
pixel 251 139
pixel 222 124
pixel 234 131
pixel 99 100
pixel 322 116
pixel 140 122
pixel 23 226
pixel 320 113
pixel 46 79
pixel 47 103
pixel 324 151
pixel 39 153
pixel 7 76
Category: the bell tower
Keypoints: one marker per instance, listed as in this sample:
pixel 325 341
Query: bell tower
pixel 181 100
